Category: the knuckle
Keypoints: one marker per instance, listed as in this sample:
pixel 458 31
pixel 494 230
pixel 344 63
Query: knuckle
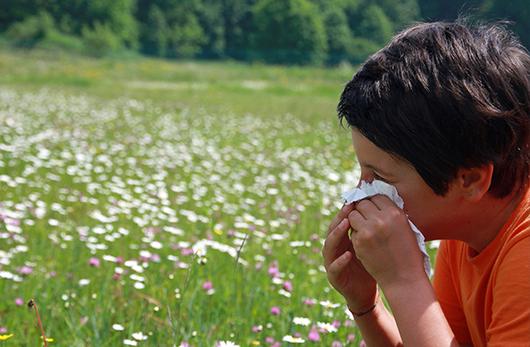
pixel 394 213
pixel 332 271
pixel 379 223
pixel 353 215
pixel 364 238
pixel 357 243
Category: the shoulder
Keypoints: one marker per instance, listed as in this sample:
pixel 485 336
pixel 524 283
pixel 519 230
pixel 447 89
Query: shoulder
pixel 510 295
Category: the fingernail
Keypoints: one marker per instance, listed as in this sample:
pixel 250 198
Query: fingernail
pixel 343 223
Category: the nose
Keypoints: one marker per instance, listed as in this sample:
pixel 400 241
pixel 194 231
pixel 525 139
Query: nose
pixel 364 176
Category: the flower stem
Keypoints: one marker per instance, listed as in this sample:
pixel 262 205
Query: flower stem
pixel 33 304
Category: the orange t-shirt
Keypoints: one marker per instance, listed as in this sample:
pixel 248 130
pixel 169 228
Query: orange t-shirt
pixel 486 298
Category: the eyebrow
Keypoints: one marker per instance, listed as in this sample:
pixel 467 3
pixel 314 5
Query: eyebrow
pixel 374 168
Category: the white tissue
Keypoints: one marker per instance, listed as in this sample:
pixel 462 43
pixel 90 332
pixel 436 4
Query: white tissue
pixel 367 190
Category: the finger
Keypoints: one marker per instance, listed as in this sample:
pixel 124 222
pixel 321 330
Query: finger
pixel 382 201
pixel 343 213
pixel 336 267
pixel 357 221
pixel 367 208
pixel 336 238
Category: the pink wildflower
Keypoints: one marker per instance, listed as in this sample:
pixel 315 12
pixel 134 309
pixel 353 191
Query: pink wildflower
pixel 274 271
pixel 207 285
pixel 94 262
pixel 348 323
pixel 313 335
pixel 309 302
pixel 275 311
pixel 19 301
pixel 25 270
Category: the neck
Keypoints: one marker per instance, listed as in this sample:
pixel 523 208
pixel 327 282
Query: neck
pixel 484 230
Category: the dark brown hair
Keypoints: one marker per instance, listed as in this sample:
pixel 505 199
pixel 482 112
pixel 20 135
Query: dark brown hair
pixel 445 96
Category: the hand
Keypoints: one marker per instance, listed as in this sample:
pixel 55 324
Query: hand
pixel 345 273
pixel 384 242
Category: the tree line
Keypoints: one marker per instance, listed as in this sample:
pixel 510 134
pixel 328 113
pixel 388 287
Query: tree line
pixel 274 31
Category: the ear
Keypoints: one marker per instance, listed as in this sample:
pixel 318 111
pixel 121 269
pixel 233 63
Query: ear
pixel 475 182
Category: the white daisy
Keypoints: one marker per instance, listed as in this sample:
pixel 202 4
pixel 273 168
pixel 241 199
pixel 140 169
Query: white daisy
pixel 118 327
pixel 139 336
pixel 292 339
pixel 330 328
pixel 301 321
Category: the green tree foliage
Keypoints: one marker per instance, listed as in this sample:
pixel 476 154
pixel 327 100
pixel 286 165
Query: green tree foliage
pixel 375 25
pixel 76 16
pixel 40 31
pixel 12 11
pixel 432 10
pixel 289 31
pixel 400 12
pixel 338 34
pixel 155 33
pixel 100 39
pixel 186 36
pixel 517 11
pixel 361 48
pixel 276 31
pixel 238 26
pixel 31 30
pixel 210 19
pixel 170 28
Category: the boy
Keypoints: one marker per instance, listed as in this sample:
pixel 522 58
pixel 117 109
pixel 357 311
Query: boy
pixel 442 113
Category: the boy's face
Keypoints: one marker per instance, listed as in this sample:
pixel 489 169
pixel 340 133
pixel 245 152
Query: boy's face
pixel 435 216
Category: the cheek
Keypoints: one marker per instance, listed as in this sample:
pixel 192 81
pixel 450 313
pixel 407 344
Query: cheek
pixel 414 205
pixel 423 210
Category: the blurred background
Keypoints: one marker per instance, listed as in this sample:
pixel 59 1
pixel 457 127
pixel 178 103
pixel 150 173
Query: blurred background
pixel 280 32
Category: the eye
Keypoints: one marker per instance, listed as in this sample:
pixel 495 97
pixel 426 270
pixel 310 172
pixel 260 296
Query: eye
pixel 379 178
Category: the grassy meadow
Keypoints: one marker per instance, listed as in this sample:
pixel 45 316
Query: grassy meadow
pixel 154 203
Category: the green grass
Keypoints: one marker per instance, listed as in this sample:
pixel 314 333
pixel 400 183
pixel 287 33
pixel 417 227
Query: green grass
pixel 250 150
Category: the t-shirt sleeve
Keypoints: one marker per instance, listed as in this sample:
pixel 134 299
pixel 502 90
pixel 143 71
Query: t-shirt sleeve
pixel 446 293
pixel 510 324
